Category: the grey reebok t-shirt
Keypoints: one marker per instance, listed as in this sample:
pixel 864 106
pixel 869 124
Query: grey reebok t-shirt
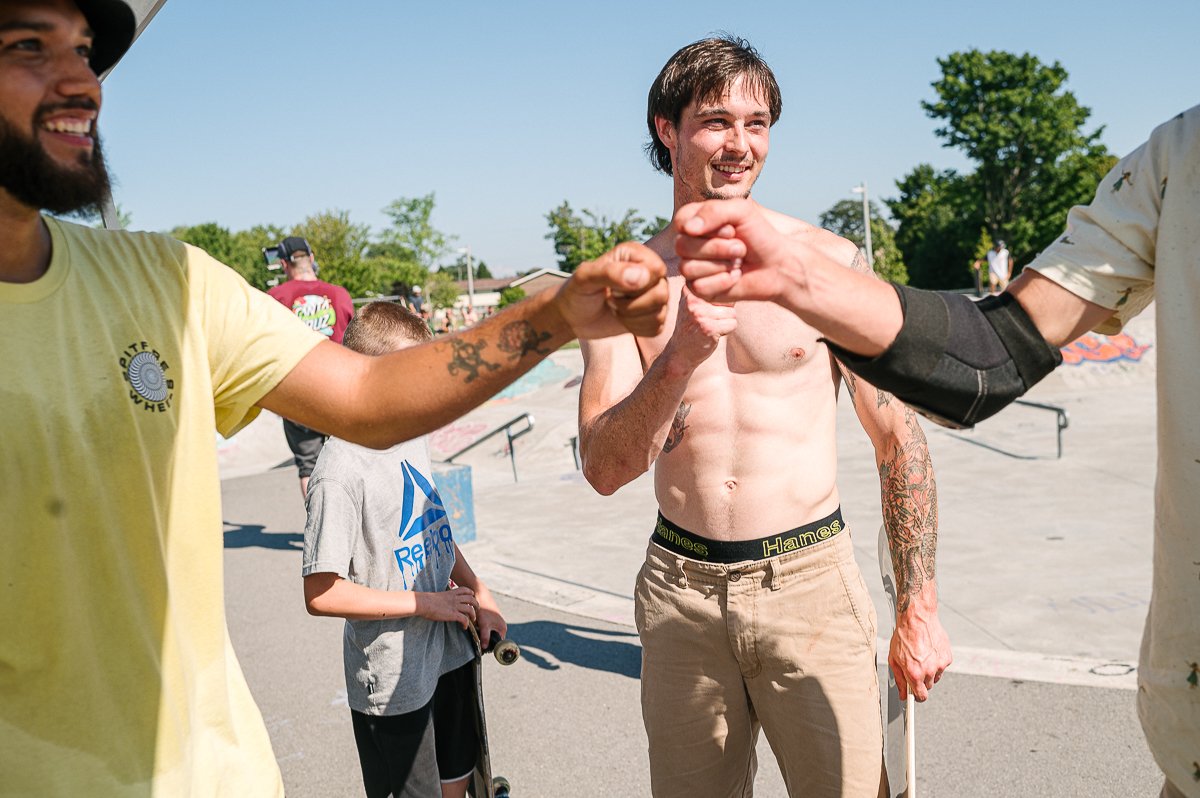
pixel 375 518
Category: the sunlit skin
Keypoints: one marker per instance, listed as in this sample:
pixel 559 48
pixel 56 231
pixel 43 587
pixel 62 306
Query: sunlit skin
pixel 719 146
pixel 48 92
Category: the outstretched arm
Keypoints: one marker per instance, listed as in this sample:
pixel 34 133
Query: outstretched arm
pixel 383 400
pixel 957 360
pixel 626 420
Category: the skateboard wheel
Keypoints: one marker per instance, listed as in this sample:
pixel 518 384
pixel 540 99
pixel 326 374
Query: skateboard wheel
pixel 506 652
pixel 500 787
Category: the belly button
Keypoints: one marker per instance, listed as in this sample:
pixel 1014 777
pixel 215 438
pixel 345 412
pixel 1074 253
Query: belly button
pixel 731 485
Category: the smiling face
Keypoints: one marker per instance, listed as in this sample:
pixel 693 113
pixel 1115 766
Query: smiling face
pixel 49 101
pixel 720 144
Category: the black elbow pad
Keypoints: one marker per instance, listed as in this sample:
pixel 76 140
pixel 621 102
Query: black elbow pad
pixel 955 360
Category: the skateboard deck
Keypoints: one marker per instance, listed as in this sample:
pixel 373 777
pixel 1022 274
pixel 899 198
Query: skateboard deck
pixel 895 725
pixel 483 784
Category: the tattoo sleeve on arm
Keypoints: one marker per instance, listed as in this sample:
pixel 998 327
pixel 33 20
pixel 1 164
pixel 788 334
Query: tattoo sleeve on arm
pixel 675 436
pixel 910 512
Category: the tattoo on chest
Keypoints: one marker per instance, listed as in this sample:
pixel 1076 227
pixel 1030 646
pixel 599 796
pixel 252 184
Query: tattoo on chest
pixel 675 436
pixel 468 359
pixel 520 338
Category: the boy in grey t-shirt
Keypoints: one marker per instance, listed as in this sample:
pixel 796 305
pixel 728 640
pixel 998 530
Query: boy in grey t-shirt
pixel 379 551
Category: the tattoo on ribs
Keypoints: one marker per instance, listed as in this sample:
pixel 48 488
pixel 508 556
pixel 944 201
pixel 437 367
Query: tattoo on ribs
pixel 468 358
pixel 675 436
pixel 910 512
pixel 520 338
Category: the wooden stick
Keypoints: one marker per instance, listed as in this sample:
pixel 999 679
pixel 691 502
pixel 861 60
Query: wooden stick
pixel 910 736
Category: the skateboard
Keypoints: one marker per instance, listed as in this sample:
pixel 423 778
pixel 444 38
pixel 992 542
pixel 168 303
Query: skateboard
pixel 506 652
pixel 899 738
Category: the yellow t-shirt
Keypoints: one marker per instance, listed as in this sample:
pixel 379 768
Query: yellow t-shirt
pixel 1139 240
pixel 117 677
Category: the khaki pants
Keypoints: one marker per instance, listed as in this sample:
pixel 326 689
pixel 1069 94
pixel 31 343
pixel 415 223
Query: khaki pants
pixel 785 644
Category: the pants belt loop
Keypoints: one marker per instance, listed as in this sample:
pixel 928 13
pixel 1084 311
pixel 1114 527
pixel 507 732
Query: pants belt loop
pixel 773 580
pixel 683 582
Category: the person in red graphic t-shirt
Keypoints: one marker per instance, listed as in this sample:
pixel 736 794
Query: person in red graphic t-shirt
pixel 322 306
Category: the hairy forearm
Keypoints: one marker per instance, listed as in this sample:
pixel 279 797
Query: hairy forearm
pixel 910 515
pixel 622 443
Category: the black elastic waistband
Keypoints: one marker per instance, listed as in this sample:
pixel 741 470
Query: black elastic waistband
pixel 676 539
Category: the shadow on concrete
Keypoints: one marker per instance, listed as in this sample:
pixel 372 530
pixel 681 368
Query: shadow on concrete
pixel 244 536
pixel 548 645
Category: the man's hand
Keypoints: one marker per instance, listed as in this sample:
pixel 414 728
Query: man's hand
pixel 729 250
pixel 456 605
pixel 699 325
pixel 919 652
pixel 625 289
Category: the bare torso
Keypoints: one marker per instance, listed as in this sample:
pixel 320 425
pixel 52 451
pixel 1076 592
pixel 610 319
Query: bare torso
pixel 753 451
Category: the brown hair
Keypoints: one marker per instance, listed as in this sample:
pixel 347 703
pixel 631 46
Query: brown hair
pixel 704 71
pixel 381 327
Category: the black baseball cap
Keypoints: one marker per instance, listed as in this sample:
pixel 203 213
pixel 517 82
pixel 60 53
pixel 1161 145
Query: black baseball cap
pixel 291 245
pixel 114 25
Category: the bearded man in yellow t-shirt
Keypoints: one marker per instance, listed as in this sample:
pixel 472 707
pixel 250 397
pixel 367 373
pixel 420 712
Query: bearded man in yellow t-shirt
pixel 123 352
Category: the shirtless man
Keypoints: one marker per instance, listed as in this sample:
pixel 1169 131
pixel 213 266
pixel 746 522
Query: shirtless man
pixel 750 607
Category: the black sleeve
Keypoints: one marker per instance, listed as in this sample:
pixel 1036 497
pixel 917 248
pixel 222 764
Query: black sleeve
pixel 956 360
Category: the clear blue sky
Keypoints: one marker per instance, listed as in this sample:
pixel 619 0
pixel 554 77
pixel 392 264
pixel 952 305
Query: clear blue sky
pixel 264 111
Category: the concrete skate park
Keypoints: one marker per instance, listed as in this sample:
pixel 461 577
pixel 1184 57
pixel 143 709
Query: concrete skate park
pixel 1043 570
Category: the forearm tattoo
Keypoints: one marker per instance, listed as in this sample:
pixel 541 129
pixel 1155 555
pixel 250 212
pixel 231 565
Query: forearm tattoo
pixel 910 512
pixel 468 358
pixel 520 338
pixel 883 398
pixel 675 436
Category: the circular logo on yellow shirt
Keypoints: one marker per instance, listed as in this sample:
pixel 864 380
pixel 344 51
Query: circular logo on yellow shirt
pixel 146 373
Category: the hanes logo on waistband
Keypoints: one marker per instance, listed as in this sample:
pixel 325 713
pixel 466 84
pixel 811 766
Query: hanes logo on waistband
pixel 146 373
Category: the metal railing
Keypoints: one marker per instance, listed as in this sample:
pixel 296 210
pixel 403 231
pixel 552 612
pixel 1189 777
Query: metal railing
pixel 509 435
pixel 1062 420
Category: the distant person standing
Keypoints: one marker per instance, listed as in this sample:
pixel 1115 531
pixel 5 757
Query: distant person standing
pixel 416 299
pixel 999 267
pixel 325 308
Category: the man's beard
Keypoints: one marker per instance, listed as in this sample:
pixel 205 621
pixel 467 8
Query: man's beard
pixel 33 178
pixel 710 194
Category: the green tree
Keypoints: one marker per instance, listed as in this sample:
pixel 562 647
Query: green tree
pixel 511 295
pixel 412 233
pixel 459 268
pixel 1012 117
pixel 583 237
pixel 846 219
pixel 440 290
pixel 937 221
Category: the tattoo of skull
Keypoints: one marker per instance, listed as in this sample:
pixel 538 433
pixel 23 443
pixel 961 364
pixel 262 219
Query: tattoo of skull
pixel 468 359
